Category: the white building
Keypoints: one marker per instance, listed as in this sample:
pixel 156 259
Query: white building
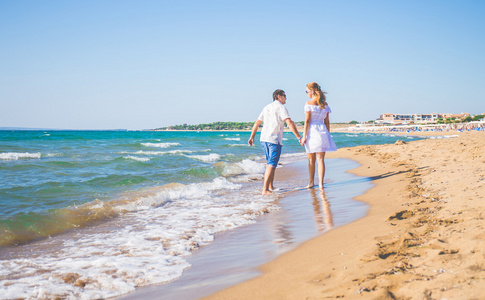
pixel 407 118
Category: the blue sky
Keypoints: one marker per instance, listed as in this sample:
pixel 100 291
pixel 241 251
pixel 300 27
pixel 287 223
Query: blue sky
pixel 147 64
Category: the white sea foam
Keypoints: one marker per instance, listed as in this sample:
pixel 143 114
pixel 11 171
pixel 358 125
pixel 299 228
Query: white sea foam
pixel 18 155
pixel 163 152
pixel 245 167
pixel 206 158
pixel 53 155
pixel 152 250
pixel 160 145
pixel 251 167
pixel 232 139
pixel 173 152
pixel 160 196
pixel 298 154
pixel 136 158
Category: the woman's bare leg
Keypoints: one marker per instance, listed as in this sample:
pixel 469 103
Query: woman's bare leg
pixel 311 169
pixel 321 168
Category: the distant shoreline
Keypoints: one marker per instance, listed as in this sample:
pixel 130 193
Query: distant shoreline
pixel 299 127
pixel 53 129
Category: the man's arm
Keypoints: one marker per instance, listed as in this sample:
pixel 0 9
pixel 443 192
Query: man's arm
pixel 253 132
pixel 293 128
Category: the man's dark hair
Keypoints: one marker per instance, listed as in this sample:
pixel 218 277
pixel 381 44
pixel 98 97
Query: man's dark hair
pixel 278 93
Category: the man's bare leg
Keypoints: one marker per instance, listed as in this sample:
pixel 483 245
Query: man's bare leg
pixel 268 179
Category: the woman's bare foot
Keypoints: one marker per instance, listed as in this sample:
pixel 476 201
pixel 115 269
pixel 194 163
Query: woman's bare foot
pixel 266 192
pixel 310 185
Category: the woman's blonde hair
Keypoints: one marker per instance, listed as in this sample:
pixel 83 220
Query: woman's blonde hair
pixel 319 94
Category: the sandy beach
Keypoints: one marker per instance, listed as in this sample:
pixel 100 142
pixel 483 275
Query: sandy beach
pixel 423 236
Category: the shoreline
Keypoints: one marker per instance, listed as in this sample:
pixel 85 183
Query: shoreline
pixel 344 129
pixel 415 130
pixel 235 255
pixel 423 236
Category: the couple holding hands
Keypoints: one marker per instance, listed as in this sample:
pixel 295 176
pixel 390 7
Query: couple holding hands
pixel 316 135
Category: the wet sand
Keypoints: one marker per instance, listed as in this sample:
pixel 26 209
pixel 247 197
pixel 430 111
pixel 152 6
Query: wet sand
pixel 235 255
pixel 423 236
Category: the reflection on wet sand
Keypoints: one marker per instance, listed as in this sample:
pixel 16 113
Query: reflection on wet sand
pixel 282 227
pixel 321 207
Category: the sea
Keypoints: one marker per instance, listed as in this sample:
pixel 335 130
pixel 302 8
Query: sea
pixel 99 214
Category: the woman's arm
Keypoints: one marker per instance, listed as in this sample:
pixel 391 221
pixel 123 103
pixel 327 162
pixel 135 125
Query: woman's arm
pixel 327 123
pixel 308 115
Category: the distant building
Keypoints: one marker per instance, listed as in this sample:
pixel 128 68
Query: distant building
pixel 396 119
pixel 455 116
pixel 386 118
pixel 407 118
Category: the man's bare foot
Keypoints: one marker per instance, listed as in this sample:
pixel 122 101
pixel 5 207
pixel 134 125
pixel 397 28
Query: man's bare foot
pixel 309 186
pixel 320 187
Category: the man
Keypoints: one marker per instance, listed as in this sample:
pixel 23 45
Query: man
pixel 274 116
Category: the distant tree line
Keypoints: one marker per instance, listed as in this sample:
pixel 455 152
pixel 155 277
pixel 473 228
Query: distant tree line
pixel 212 126
pixel 216 126
pixel 458 120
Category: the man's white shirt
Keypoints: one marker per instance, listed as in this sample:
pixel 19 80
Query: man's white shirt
pixel 273 117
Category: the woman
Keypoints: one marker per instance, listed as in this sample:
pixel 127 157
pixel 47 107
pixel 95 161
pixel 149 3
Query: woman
pixel 316 135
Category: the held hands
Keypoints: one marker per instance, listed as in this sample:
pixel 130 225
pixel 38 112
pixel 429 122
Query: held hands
pixel 302 140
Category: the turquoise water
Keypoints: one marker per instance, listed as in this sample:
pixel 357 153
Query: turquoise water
pixel 135 196
pixel 46 171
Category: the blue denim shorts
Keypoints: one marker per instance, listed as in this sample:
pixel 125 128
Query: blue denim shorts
pixel 272 152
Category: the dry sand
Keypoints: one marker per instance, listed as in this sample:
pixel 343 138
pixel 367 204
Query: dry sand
pixel 423 237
